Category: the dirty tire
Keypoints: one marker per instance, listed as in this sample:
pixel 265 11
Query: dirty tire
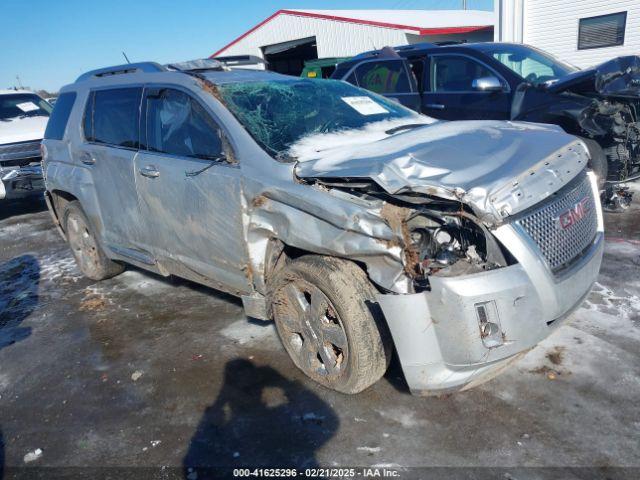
pixel 598 161
pixel 329 323
pixel 85 248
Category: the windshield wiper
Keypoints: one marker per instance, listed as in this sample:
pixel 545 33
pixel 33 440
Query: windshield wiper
pixel 408 126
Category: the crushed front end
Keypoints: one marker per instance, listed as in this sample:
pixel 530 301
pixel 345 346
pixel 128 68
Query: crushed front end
pixel 20 170
pixel 499 230
pixel 602 105
pixel 481 302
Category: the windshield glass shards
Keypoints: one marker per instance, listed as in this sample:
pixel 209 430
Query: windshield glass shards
pixel 20 105
pixel 278 114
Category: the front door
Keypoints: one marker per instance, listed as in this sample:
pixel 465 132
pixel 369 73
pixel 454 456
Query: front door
pixel 111 131
pixel 452 91
pixel 190 191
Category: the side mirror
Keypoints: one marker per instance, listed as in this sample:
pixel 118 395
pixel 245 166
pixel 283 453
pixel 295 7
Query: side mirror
pixel 487 84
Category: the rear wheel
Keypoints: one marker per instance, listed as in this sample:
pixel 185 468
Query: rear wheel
pixel 85 248
pixel 326 317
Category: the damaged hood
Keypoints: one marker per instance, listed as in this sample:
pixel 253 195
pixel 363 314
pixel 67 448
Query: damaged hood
pixel 618 77
pixel 497 168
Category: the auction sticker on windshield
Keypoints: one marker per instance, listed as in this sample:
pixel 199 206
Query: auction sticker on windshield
pixel 364 105
pixel 27 106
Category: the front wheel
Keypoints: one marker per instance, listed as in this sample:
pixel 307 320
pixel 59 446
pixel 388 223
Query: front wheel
pixel 327 320
pixel 598 161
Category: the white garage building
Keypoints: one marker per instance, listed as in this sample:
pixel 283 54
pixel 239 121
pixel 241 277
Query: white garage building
pixel 289 37
pixel 581 32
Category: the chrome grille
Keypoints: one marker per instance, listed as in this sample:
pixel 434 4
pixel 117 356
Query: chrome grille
pixel 564 227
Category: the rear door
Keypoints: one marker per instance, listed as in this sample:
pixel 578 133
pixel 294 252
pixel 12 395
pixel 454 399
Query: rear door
pixel 451 91
pixel 391 77
pixel 111 141
pixel 189 190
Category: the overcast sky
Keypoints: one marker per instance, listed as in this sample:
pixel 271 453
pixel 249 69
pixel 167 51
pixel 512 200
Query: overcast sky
pixel 49 43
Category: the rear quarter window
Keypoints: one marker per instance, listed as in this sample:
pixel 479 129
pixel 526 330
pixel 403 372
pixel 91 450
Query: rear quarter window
pixel 112 117
pixel 60 116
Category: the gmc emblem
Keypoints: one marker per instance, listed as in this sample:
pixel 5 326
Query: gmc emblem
pixel 573 215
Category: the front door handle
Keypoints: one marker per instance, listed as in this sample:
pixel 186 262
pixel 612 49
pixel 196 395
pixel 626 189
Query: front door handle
pixel 437 106
pixel 87 158
pixel 149 171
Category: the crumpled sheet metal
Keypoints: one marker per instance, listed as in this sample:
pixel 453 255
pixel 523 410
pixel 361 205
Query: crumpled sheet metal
pixel 618 77
pixel 497 168
pixel 335 227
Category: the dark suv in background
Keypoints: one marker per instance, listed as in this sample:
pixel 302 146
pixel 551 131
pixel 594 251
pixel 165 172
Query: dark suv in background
pixel 503 81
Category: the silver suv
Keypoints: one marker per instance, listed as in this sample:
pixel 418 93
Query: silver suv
pixel 358 225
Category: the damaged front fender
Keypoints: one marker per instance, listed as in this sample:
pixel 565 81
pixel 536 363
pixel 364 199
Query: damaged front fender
pixel 327 223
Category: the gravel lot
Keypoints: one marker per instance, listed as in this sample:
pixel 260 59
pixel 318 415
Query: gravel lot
pixel 141 371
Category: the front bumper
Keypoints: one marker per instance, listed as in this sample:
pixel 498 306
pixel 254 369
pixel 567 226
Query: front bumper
pixel 439 334
pixel 20 182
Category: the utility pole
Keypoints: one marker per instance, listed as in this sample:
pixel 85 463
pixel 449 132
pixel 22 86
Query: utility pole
pixel 19 82
pixel 464 4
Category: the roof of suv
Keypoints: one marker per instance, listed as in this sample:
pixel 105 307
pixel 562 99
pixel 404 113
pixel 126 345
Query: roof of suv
pixel 211 69
pixel 243 75
pixel 415 49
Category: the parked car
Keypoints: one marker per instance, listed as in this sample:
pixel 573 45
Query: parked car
pixel 321 67
pixel 355 223
pixel 23 118
pixel 506 81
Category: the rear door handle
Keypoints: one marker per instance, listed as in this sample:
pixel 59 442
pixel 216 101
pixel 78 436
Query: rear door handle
pixel 149 171
pixel 437 106
pixel 87 158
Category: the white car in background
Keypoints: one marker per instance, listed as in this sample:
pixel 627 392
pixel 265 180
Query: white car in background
pixel 23 119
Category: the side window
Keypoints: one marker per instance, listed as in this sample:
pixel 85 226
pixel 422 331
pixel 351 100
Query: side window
pixel 527 67
pixel 328 71
pixel 417 67
pixel 388 76
pixel 352 79
pixel 112 117
pixel 456 73
pixel 59 117
pixel 179 125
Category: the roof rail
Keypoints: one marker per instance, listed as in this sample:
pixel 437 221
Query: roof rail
pixel 122 69
pixel 415 46
pixel 234 60
pixel 450 42
pixel 198 65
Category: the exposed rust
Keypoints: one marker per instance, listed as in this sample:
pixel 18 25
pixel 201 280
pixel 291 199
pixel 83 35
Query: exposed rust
pixel 397 217
pixel 259 201
pixel 248 271
pixel 210 88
